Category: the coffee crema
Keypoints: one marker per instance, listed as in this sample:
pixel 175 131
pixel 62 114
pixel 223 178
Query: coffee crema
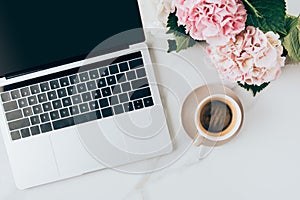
pixel 216 117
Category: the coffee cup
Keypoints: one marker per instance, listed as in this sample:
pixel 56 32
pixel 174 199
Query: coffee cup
pixel 218 117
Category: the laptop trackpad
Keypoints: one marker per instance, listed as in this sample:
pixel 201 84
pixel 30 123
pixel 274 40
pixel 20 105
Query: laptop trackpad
pixel 71 156
pixel 104 142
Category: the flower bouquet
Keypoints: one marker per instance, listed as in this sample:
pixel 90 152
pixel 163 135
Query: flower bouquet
pixel 248 40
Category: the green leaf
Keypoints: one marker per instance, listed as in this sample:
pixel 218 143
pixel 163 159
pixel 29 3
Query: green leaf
pixel 173 25
pixel 172 45
pixel 292 41
pixel 254 88
pixel 267 15
pixel 183 42
pixel 180 43
pixel 182 39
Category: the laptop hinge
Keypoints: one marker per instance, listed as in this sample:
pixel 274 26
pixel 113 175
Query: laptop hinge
pixel 138 45
pixel 94 53
pixel 14 75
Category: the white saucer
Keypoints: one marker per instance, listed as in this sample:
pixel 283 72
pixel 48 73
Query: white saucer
pixel 190 104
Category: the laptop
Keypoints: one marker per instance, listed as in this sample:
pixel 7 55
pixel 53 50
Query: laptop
pixel 70 105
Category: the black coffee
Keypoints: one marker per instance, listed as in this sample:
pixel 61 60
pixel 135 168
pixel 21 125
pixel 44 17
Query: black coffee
pixel 215 116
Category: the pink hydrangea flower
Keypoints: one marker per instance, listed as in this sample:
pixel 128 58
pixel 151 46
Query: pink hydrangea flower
pixel 252 57
pixel 215 21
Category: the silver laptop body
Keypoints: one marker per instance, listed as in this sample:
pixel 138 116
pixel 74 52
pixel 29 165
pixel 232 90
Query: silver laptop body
pixel 65 143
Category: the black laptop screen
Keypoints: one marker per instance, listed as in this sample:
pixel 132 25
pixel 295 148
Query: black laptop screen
pixel 42 34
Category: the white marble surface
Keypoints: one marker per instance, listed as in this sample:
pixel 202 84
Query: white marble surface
pixel 262 162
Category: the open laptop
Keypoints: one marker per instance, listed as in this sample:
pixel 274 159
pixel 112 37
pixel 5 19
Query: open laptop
pixel 65 111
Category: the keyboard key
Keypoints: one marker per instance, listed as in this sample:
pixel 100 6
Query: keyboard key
pixel 46 128
pixel 101 83
pixel 5 97
pixel 121 78
pixel 130 75
pixel 94 74
pixel 22 103
pixel 81 88
pixel 128 106
pixel 84 76
pixel 141 73
pixel 96 94
pixel 15 94
pixel 62 93
pixel 125 87
pixel 72 90
pixel 64 82
pixel 91 85
pixel 10 106
pixel 103 71
pixel 106 112
pixel 94 105
pixel 136 63
pixel 74 110
pixel 138 104
pixel 34 120
pixel 137 94
pixel 27 112
pixel 52 95
pixel 47 107
pixel 34 89
pixel 113 100
pixel 54 115
pixel 45 87
pixel 37 109
pixel 54 84
pixel 64 112
pixel 17 114
pixel 83 107
pixel 32 100
pixel 76 99
pixel 25 92
pixel 21 123
pixel 113 69
pixel 105 92
pixel 116 89
pixel 45 117
pixel 86 97
pixel 87 117
pixel 148 102
pixel 123 97
pixel 140 83
pixel 42 98
pixel 15 135
pixel 123 67
pixel 25 133
pixel 35 130
pixel 74 79
pixel 103 103
pixel 66 102
pixel 63 123
pixel 56 104
pixel 118 109
pixel 111 80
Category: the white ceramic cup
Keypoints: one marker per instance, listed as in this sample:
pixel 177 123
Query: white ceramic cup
pixel 234 125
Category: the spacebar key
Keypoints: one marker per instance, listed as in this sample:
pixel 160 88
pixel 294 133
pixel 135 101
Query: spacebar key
pixel 63 123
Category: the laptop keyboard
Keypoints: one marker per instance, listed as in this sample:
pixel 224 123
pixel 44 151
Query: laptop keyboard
pixel 97 92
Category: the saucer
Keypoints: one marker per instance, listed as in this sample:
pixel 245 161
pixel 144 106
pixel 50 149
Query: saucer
pixel 190 105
